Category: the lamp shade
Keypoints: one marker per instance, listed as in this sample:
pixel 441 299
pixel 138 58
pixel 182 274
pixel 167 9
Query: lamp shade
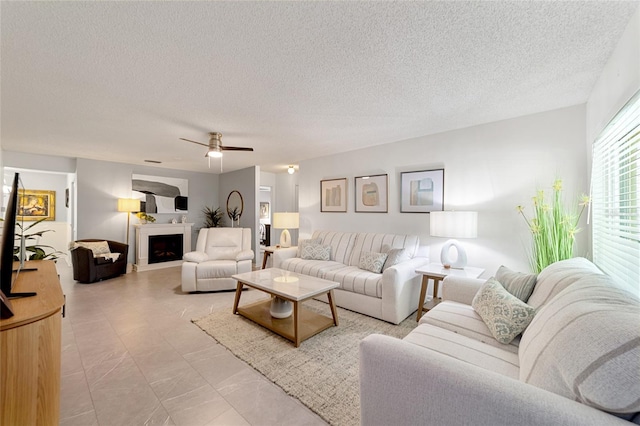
pixel 453 224
pixel 128 205
pixel 286 220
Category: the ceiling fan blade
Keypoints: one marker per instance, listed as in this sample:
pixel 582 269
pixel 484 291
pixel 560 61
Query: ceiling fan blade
pixel 234 148
pixel 199 143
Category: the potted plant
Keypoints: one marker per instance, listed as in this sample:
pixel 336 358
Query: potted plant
pixel 145 218
pixel 213 218
pixel 553 227
pixel 33 251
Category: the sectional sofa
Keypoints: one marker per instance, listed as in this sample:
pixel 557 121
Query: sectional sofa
pixel 576 363
pixel 376 272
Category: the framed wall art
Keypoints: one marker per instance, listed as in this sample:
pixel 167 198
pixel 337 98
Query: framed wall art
pixel 372 193
pixel 158 194
pixel 265 212
pixel 422 191
pixel 36 204
pixel 333 195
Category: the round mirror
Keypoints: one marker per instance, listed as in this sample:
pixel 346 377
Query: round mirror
pixel 235 205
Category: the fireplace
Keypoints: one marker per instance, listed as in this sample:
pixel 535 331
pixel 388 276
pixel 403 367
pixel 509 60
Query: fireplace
pixel 165 248
pixel 161 245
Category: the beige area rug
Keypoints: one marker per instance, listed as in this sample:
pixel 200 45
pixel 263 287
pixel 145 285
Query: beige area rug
pixel 322 373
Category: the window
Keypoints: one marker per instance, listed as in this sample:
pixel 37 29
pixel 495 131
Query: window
pixel 615 196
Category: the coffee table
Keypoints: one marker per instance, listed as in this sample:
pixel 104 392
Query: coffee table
pixel 291 287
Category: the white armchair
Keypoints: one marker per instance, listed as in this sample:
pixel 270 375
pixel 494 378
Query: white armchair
pixel 220 253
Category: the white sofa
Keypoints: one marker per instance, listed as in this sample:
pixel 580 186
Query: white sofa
pixel 220 253
pixel 390 296
pixel 576 362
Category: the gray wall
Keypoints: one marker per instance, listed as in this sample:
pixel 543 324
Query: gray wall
pixel 247 182
pixel 490 168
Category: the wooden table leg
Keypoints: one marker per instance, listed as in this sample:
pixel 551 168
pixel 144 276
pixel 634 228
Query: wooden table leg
pixel 423 294
pixel 436 283
pixel 264 258
pixel 296 324
pixel 237 299
pixel 332 304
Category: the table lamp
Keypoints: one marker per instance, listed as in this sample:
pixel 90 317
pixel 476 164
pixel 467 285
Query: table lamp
pixel 453 224
pixel 128 205
pixel 286 221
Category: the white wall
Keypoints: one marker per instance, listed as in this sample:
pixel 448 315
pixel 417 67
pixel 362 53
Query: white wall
pixel 490 168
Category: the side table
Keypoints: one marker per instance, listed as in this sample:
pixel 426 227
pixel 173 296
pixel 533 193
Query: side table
pixel 267 252
pixel 437 272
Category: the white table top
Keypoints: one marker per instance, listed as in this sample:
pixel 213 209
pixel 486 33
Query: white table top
pixel 285 283
pixel 437 270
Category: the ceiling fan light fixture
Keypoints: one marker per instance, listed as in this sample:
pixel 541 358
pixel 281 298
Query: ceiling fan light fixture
pixel 291 170
pixel 214 153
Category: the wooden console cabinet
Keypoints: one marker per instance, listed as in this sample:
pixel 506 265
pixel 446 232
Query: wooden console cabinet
pixel 30 350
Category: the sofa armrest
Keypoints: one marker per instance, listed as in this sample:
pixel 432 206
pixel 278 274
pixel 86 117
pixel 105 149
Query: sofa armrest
pixel 405 384
pixel 116 247
pixel 400 289
pixel 282 254
pixel 244 255
pixel 195 256
pixel 460 289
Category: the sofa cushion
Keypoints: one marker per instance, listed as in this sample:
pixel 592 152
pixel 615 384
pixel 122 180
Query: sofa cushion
pixel 97 247
pixel 341 244
pixel 506 316
pixel 558 276
pixel 584 344
pixel 216 269
pixel 316 252
pixel 463 319
pixel 356 280
pixel 381 243
pixel 517 283
pixel 395 256
pixel 314 268
pixel 465 349
pixel 372 262
pixel 303 243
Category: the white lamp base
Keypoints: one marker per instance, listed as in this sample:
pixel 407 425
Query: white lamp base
pixel 285 238
pixel 280 308
pixel 460 262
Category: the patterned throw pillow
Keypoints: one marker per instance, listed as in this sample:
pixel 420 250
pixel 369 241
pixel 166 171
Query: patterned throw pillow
pixel 372 262
pixel 519 284
pixel 303 243
pixel 505 315
pixel 316 252
pixel 98 247
pixel 395 256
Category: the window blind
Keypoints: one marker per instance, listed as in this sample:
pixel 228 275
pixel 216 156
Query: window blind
pixel 615 196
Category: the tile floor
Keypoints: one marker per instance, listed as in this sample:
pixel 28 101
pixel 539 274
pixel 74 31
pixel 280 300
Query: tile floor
pixel 131 356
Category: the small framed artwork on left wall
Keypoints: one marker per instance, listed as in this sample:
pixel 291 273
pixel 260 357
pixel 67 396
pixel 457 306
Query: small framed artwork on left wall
pixel 36 204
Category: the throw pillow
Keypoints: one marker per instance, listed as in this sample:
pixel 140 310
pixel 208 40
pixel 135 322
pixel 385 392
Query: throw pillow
pixel 98 247
pixel 316 252
pixel 373 262
pixel 505 315
pixel 517 283
pixel 584 344
pixel 395 256
pixel 303 243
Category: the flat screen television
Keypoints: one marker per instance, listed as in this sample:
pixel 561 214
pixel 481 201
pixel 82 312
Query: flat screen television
pixel 7 276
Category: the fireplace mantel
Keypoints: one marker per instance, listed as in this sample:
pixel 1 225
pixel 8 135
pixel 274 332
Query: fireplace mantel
pixel 143 231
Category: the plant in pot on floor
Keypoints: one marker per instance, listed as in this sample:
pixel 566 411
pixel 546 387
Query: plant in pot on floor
pixel 33 251
pixel 553 227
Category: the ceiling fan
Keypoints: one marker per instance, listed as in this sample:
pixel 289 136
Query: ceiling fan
pixel 215 145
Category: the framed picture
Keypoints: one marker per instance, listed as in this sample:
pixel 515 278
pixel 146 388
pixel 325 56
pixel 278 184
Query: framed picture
pixel 264 210
pixel 422 192
pixel 159 194
pixel 372 194
pixel 35 205
pixel 333 195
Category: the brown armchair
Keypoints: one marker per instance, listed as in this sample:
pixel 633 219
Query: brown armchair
pixel 89 269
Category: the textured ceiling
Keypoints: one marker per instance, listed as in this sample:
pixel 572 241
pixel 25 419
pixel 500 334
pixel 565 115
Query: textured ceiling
pixel 122 81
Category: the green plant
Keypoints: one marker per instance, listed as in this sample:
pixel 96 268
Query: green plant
pixel 145 217
pixel 553 228
pixel 33 251
pixel 213 218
